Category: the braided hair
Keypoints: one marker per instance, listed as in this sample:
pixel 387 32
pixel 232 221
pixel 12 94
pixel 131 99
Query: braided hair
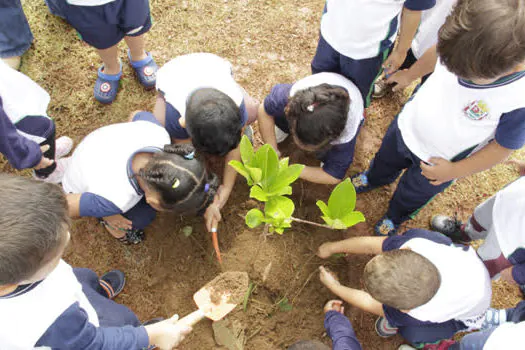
pixel 317 115
pixel 182 181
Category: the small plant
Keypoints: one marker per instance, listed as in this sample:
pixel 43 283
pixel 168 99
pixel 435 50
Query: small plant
pixel 270 180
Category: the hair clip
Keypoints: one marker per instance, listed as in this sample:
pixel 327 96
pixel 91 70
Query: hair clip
pixel 176 183
pixel 311 107
pixel 190 156
pixel 206 188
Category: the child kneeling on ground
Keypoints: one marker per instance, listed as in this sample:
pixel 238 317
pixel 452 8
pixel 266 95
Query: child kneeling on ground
pixel 124 173
pixel 324 113
pixel 415 286
pixel 44 302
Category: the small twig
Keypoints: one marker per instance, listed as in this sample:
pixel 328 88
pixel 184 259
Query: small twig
pixel 310 223
pixel 304 285
pixel 253 334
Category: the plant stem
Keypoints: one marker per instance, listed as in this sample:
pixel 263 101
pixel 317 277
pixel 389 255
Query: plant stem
pixel 310 223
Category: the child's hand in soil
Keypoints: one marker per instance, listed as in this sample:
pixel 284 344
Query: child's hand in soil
pixel 116 224
pixel 324 251
pixel 168 334
pixel 327 277
pixel 334 305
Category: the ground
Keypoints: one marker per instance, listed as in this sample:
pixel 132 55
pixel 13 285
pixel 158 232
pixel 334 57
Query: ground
pixel 268 42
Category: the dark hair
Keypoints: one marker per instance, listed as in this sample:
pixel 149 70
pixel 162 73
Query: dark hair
pixel 181 180
pixel 402 279
pixel 308 345
pixel 483 39
pixel 213 121
pixel 317 115
pixel 33 224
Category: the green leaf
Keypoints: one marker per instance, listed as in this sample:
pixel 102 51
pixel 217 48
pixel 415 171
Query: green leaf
pixel 329 221
pixel 283 163
pixel 187 231
pixel 342 200
pixel 247 152
pixel 247 295
pixel 254 218
pixel 324 208
pixel 255 173
pixel 285 177
pixel 279 230
pixel 266 159
pixel 353 218
pixel 337 224
pixel 241 169
pixel 257 193
pixel 280 208
pixel 284 305
pixel 287 190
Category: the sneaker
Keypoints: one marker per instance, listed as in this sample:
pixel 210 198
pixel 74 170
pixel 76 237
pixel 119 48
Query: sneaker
pixel 56 176
pixel 63 145
pixel 385 227
pixel 494 317
pixel 384 329
pixel 381 89
pixel 360 182
pixel 450 227
pixel 280 135
pixel 112 283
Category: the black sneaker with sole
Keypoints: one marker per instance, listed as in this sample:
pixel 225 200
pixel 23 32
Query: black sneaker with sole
pixel 450 227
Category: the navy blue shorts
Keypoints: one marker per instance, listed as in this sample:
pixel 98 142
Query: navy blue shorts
pixel 15 35
pixel 105 26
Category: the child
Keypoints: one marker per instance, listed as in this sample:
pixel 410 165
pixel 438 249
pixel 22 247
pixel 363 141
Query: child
pixel 27 133
pixel 124 173
pixel 468 116
pixel 15 34
pixel 500 222
pixel 357 35
pixel 415 286
pixel 200 101
pixel 103 24
pixel 421 58
pixel 323 112
pixel 44 302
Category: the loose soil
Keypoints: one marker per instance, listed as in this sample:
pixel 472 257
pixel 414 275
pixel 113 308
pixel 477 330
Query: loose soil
pixel 268 42
pixel 233 283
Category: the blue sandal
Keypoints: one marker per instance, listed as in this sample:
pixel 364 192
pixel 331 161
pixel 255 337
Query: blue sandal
pixel 146 70
pixel 106 86
pixel 385 227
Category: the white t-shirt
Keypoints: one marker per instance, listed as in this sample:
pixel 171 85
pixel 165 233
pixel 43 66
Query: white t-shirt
pixel 181 76
pixel 99 164
pixel 466 295
pixel 20 95
pixel 26 317
pixel 431 22
pixel 507 336
pixel 449 116
pixel 508 217
pixel 356 110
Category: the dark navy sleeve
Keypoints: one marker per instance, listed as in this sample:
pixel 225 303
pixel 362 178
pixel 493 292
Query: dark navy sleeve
pixel 419 5
pixel 20 152
pixel 395 242
pixel 93 205
pixel 276 101
pixel 340 330
pixel 173 126
pixel 146 116
pixel 397 318
pixel 72 330
pixel 518 273
pixel 510 132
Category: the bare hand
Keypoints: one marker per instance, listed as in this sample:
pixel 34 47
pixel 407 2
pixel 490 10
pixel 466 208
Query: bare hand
pixel 334 305
pixel 212 217
pixel 167 334
pixel 401 78
pixel 394 61
pixel 118 222
pixel 327 277
pixel 324 251
pixel 44 162
pixel 519 164
pixel 440 172
pixel 506 275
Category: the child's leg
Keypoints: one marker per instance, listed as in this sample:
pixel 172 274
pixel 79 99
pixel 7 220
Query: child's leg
pixel 480 222
pixel 431 333
pixel 110 313
pixel 141 215
pixel 137 47
pixel 15 34
pixel 493 258
pixel 110 59
pixel 42 131
pixel 326 59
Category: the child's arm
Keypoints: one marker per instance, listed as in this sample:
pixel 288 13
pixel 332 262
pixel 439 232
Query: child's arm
pixel 354 245
pixel 91 205
pixel 423 66
pixel 339 328
pixel 355 297
pixel 443 170
pixel 409 23
pixel 267 128
pixel 318 175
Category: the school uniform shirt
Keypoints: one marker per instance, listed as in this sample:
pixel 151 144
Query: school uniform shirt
pixel 178 79
pixel 506 336
pixel 362 29
pixel 450 117
pixel 340 330
pixel 431 22
pixel 339 157
pixel 465 291
pixel 100 167
pixel 509 223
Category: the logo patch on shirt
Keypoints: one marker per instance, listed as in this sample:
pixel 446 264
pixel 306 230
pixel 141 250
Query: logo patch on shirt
pixel 476 110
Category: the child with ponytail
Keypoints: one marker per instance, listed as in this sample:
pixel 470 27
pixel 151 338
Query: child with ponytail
pixel 125 186
pixel 323 113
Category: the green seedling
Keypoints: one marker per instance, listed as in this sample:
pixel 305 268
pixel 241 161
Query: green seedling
pixel 339 214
